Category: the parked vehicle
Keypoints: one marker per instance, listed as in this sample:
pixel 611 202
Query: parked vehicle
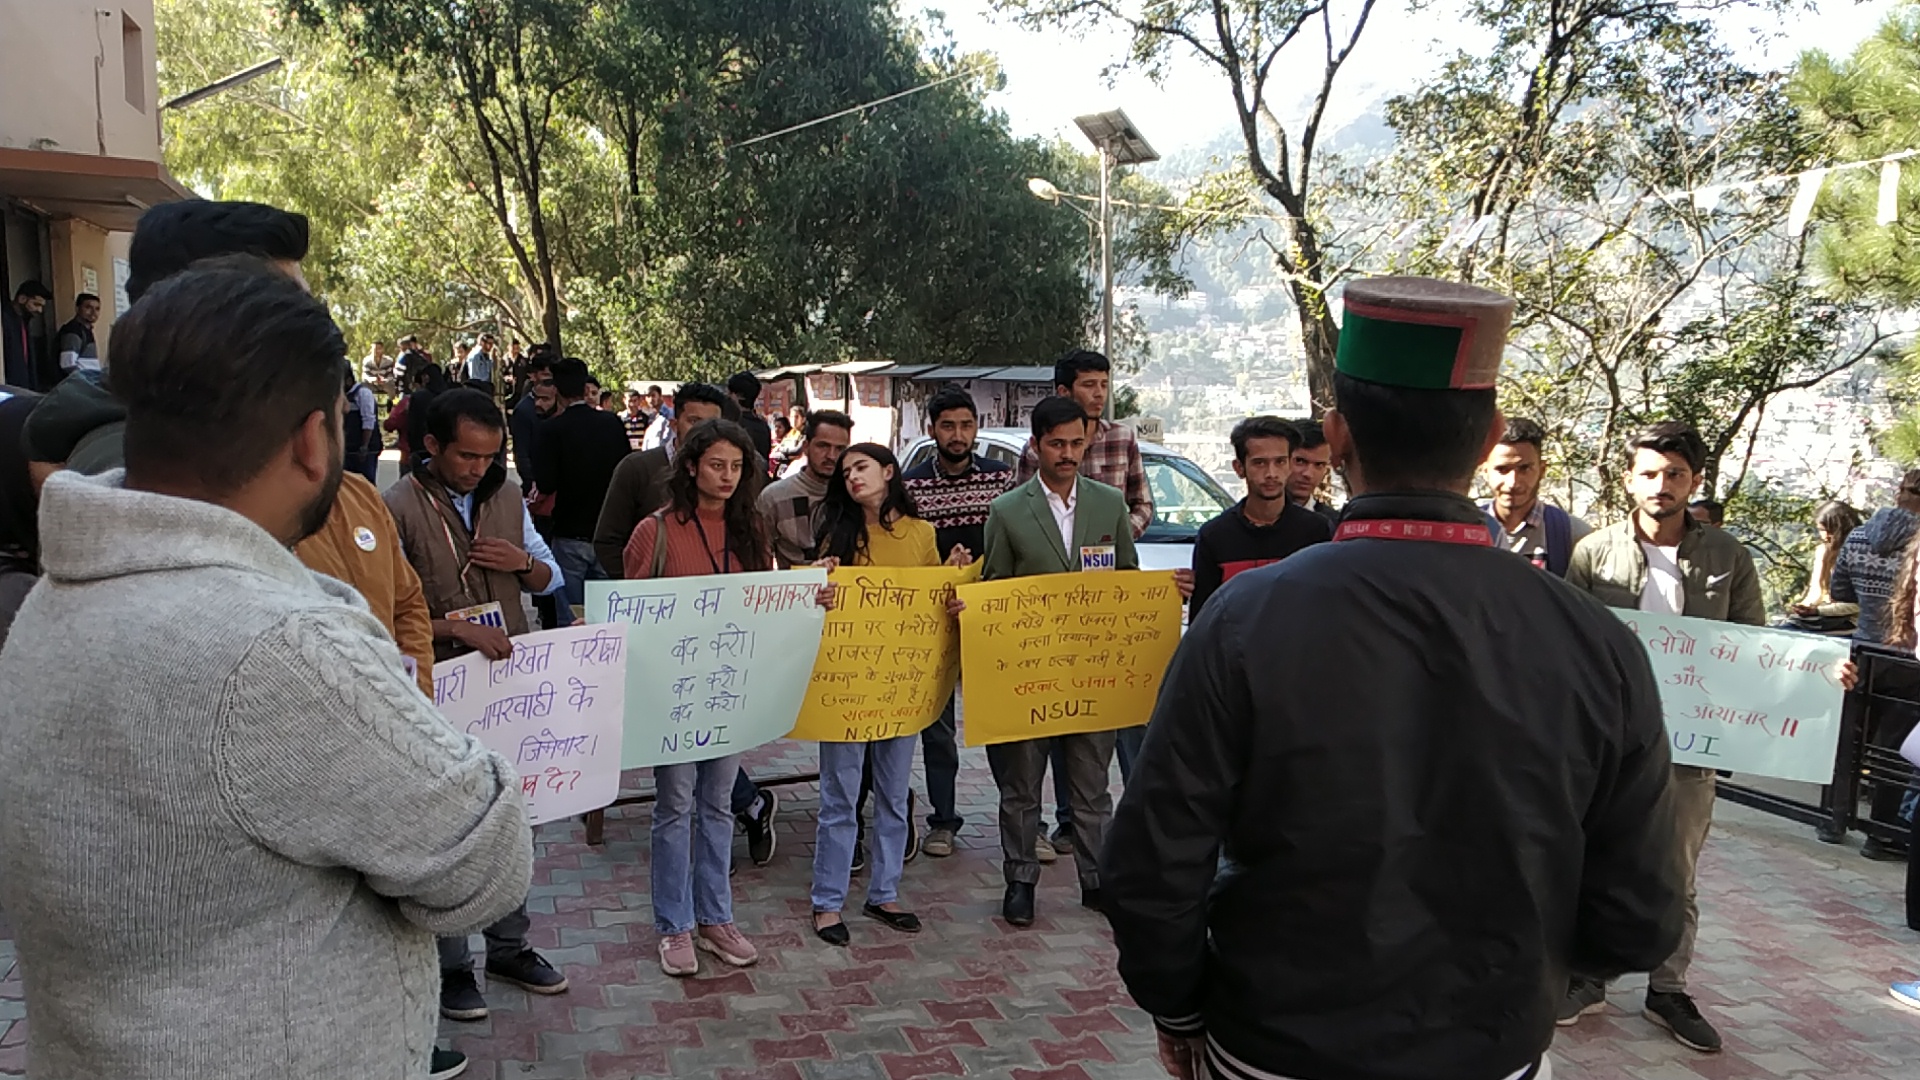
pixel 1184 496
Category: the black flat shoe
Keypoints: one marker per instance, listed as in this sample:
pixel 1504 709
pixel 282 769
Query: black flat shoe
pixel 836 934
pixel 1017 907
pixel 904 921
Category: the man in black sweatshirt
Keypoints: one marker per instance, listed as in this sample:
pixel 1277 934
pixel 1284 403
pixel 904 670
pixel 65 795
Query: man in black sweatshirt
pixel 578 450
pixel 1264 527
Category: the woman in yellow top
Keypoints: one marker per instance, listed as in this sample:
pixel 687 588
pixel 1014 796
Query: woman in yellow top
pixel 867 518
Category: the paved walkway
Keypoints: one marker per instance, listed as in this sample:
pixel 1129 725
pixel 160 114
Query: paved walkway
pixel 1797 944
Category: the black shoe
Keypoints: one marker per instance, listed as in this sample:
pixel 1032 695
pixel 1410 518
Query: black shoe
pixel 1018 905
pixel 1585 997
pixel 836 935
pixel 529 971
pixel 446 1064
pixel 460 996
pixel 758 821
pixel 1090 898
pixel 913 830
pixel 1063 839
pixel 1677 1013
pixel 1880 851
pixel 859 853
pixel 1826 833
pixel 904 921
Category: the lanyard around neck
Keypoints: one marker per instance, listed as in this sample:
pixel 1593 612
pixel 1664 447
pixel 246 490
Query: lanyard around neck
pixel 725 564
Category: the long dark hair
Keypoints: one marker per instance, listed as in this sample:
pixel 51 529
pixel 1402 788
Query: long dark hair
pixel 840 523
pixel 747 535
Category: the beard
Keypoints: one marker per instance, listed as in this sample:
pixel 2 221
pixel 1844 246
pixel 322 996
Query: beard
pixel 951 457
pixel 313 517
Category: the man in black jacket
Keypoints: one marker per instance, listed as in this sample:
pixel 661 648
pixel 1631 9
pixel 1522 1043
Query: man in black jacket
pixel 1262 528
pixel 745 388
pixel 578 450
pixel 1355 846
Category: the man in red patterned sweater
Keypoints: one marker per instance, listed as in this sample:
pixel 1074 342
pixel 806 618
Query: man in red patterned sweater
pixel 953 490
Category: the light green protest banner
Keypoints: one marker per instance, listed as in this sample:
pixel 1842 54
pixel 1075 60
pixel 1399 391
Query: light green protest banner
pixel 715 664
pixel 1745 699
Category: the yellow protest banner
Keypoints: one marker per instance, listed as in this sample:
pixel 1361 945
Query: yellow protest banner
pixel 1061 654
pixel 888 656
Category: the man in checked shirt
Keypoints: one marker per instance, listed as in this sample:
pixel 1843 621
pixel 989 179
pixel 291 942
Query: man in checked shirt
pixel 1113 458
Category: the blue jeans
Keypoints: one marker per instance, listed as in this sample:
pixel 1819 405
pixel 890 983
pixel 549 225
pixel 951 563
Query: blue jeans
pixel 745 792
pixel 581 564
pixel 693 844
pixel 839 825
pixel 940 750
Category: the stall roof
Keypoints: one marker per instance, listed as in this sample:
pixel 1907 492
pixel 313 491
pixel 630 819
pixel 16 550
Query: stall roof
pixel 908 371
pixel 790 369
pixel 1022 374
pixel 955 373
pixel 857 367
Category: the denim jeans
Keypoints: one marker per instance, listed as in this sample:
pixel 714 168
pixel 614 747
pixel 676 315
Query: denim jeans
pixel 580 563
pixel 745 792
pixel 506 937
pixel 940 750
pixel 693 844
pixel 840 766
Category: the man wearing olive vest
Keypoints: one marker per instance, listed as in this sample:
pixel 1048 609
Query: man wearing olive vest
pixel 467 534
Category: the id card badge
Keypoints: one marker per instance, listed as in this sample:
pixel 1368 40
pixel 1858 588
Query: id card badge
pixel 487 614
pixel 1096 557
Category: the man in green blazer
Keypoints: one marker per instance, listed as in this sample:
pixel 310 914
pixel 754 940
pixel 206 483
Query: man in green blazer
pixel 1058 522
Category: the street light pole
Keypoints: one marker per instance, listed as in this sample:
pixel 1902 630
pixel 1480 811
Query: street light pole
pixel 1119 143
pixel 1106 264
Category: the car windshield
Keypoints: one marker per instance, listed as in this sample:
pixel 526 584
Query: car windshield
pixel 1184 498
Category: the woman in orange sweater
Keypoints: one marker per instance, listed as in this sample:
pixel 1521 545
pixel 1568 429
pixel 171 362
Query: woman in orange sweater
pixel 867 518
pixel 711 525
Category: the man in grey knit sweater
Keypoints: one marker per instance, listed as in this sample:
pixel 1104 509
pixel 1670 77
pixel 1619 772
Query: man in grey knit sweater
pixel 234 825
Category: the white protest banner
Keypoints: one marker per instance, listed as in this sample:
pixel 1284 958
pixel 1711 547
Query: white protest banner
pixel 1744 699
pixel 553 709
pixel 716 664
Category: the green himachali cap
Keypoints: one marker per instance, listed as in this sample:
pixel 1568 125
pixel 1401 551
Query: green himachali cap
pixel 1423 333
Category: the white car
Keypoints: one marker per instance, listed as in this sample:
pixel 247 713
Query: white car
pixel 1184 496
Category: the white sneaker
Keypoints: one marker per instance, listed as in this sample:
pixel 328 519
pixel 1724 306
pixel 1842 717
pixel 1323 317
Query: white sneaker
pixel 1043 850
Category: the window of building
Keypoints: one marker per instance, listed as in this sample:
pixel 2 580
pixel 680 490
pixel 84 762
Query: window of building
pixel 133 56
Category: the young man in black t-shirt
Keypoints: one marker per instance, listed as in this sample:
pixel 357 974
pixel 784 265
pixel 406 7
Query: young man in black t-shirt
pixel 1264 527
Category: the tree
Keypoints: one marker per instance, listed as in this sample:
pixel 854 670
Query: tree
pixel 509 64
pixel 1244 41
pixel 1860 108
pixel 1542 167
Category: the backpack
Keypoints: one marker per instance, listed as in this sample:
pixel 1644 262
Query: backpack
pixel 1559 526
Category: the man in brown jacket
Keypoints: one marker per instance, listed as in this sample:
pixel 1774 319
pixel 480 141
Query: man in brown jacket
pixel 467 533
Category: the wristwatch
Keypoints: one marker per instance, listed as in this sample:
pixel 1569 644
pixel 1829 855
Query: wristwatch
pixel 527 569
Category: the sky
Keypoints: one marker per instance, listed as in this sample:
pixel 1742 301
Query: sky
pixel 1053 77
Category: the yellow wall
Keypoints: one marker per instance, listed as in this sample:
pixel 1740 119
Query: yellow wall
pixel 79 247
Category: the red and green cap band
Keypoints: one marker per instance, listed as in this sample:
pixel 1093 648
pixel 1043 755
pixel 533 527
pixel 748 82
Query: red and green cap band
pixel 1420 350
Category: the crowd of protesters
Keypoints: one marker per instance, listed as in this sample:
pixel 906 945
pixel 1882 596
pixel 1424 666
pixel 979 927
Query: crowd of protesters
pixel 297 844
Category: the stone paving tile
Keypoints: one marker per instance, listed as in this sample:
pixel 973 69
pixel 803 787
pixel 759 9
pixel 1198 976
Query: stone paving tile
pixel 1797 943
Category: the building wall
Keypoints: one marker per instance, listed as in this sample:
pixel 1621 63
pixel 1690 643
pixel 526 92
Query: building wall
pixel 71 78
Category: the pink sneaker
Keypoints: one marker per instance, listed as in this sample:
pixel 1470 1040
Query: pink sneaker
pixel 677 957
pixel 729 944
